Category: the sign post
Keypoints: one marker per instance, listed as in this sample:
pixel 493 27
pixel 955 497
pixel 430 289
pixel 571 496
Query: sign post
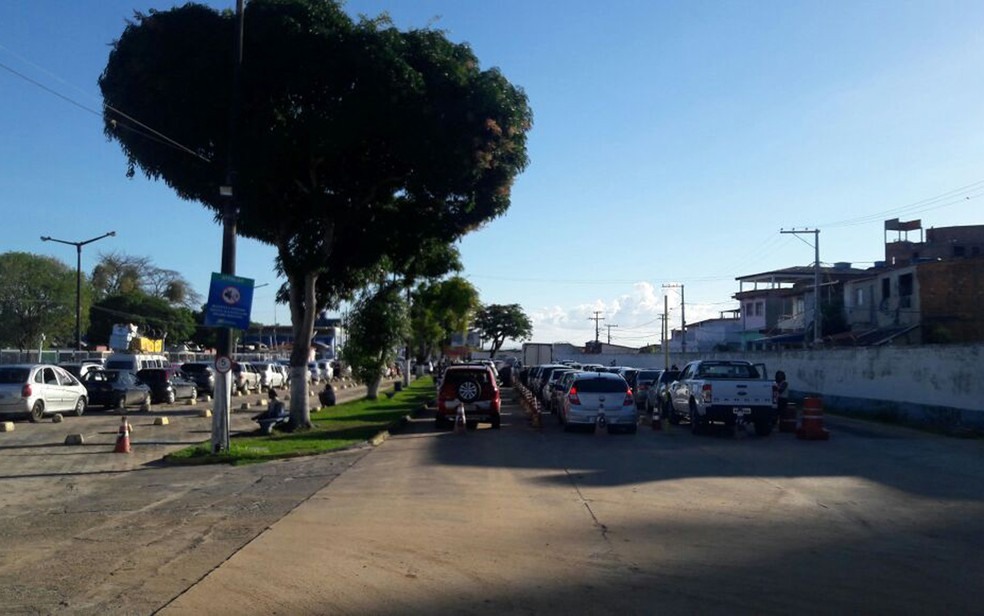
pixel 230 300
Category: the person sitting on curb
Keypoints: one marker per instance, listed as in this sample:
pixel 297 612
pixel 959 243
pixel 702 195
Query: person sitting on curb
pixel 327 395
pixel 275 407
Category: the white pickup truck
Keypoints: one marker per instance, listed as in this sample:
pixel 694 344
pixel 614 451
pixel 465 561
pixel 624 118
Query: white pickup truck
pixel 723 391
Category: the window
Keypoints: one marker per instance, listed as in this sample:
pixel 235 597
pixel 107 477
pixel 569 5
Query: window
pixel 886 288
pixel 905 284
pixel 759 308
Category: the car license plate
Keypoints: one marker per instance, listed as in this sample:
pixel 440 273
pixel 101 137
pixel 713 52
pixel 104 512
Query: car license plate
pixel 742 410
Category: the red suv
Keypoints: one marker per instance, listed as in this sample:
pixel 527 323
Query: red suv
pixel 473 387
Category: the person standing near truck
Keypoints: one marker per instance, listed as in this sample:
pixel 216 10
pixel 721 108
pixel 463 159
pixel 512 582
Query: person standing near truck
pixel 782 393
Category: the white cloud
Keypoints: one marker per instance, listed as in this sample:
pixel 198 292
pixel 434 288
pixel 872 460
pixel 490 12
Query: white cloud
pixel 635 312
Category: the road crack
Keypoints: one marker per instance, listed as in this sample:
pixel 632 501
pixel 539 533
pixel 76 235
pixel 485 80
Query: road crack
pixel 602 528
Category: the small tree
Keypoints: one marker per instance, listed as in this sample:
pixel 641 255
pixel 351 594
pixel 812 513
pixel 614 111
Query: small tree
pixel 439 310
pixel 499 322
pixel 377 325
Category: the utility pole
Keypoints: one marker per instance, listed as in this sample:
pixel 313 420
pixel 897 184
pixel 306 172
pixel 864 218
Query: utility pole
pixel 230 215
pixel 666 332
pixel 816 279
pixel 597 319
pixel 683 316
pixel 610 332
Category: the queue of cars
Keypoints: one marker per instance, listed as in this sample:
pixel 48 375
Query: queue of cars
pixel 703 393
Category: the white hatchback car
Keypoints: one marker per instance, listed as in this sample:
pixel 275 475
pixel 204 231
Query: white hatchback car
pixel 40 389
pixel 599 398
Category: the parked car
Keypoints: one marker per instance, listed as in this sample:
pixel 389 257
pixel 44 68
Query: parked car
pixel 600 397
pixel 315 372
pixel 168 386
pixel 658 395
pixel 202 373
pixel 560 389
pixel 551 387
pixel 642 381
pixel 79 370
pixel 115 389
pixel 284 371
pixel 327 370
pixel 270 375
pixel 36 390
pixel 473 387
pixel 245 377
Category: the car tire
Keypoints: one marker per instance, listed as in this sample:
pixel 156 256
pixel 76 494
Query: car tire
pixel 79 409
pixel 496 423
pixel 169 397
pixel 194 396
pixel 120 402
pixel 37 411
pixel 469 390
pixel 145 403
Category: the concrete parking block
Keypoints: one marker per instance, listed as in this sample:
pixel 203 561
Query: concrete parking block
pixel 244 406
pixel 161 421
pixel 6 426
pixel 58 418
pixel 205 413
pixel 74 439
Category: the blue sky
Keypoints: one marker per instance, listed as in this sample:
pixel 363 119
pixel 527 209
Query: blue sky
pixel 672 142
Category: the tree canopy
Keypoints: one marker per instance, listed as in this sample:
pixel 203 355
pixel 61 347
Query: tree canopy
pixel 37 296
pixel 155 317
pixel 499 322
pixel 355 142
pixel 122 274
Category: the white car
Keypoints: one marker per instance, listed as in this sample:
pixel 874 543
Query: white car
pixel 599 398
pixel 37 390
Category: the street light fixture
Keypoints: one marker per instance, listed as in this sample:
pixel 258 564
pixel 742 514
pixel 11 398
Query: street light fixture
pixel 78 279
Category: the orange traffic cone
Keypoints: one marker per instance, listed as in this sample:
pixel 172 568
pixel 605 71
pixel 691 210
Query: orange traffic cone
pixel 123 436
pixel 460 421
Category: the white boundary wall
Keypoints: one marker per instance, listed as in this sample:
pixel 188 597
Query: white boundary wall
pixel 932 384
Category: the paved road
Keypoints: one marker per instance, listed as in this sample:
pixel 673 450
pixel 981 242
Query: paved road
pixel 87 531
pixel 877 520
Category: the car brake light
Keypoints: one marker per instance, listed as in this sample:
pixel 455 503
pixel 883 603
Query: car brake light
pixel 628 398
pixel 26 390
pixel 572 396
pixel 705 392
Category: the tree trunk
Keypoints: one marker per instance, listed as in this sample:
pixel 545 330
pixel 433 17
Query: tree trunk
pixel 303 309
pixel 372 388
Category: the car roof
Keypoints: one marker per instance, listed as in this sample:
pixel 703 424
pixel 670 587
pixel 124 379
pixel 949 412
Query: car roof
pixel 593 375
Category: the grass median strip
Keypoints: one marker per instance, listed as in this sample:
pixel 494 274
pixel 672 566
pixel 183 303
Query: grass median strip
pixel 336 427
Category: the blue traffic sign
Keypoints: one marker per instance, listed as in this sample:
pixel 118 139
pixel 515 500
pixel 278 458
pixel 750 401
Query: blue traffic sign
pixel 230 300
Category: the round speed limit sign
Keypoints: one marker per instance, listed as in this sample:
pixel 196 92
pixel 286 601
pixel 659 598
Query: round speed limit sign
pixel 223 364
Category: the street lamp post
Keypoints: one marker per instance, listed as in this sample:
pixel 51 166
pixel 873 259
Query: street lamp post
pixel 78 279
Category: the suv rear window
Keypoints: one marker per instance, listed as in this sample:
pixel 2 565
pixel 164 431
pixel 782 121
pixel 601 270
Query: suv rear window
pixel 456 377
pixel 600 386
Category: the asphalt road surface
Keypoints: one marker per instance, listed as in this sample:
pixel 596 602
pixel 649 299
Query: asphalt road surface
pixel 878 519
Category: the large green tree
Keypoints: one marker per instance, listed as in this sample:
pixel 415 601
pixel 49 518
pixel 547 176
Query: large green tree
pixel 356 142
pixel 37 296
pixel 499 322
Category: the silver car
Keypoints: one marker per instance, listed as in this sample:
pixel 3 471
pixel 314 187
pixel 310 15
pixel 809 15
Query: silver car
pixel 599 398
pixel 36 390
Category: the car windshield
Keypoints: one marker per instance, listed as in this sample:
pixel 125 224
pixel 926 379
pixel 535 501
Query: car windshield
pixel 10 376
